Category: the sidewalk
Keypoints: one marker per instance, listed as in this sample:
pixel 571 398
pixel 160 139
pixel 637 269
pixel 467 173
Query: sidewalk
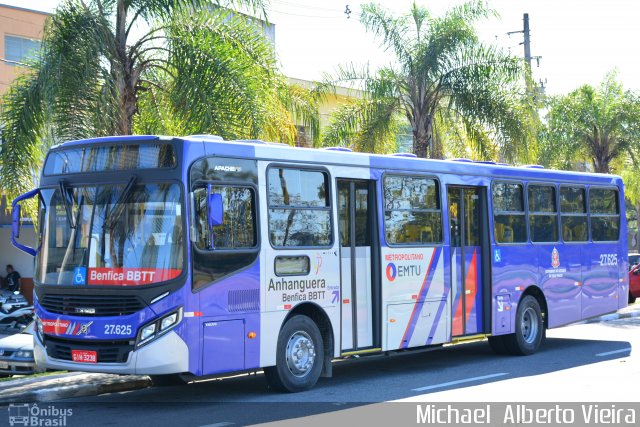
pixel 63 386
pixel 76 384
pixel 630 311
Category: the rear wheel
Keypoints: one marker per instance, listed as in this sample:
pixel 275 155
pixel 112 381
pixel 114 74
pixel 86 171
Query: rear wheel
pixel 529 328
pixel 299 356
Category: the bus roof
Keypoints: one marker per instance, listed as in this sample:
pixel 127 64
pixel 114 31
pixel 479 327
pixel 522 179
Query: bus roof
pixel 399 161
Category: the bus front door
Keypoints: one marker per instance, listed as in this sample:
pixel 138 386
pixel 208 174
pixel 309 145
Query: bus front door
pixel 355 221
pixel 468 239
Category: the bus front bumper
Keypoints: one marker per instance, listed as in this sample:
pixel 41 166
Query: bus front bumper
pixel 168 354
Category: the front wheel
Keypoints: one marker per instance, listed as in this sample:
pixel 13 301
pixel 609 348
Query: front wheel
pixel 529 328
pixel 299 356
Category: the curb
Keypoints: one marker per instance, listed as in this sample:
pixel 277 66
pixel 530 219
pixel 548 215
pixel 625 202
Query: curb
pixel 614 316
pixel 77 390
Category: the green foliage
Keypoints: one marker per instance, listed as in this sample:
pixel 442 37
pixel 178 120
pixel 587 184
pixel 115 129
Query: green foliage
pixel 600 125
pixel 198 69
pixel 454 91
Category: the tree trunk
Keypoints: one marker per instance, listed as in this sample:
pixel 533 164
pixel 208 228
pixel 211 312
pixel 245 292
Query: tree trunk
pixel 122 68
pixel 420 144
pixel 601 165
pixel 424 144
pixel 437 151
pixel 600 152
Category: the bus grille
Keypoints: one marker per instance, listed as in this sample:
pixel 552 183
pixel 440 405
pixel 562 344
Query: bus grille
pixel 108 351
pixel 92 305
pixel 244 300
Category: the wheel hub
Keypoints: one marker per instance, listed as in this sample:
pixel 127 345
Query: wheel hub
pixel 300 353
pixel 529 325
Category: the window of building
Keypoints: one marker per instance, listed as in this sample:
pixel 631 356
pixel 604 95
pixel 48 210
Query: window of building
pixel 508 213
pixel 605 214
pixel 412 214
pixel 573 214
pixel 543 213
pixel 299 208
pixel 20 49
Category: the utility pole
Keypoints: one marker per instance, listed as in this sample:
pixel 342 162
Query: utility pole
pixel 527 52
pixel 527 40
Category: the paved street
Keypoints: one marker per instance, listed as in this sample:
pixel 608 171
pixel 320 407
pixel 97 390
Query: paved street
pixel 590 362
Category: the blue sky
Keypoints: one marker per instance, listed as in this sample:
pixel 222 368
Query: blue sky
pixel 578 40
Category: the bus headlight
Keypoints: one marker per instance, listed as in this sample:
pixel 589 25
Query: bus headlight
pixel 147 332
pixel 158 327
pixel 168 321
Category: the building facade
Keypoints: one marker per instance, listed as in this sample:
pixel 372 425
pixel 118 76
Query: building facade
pixel 21 31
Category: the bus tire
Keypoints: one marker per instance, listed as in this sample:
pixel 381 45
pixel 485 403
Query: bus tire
pixel 529 328
pixel 299 356
pixel 498 345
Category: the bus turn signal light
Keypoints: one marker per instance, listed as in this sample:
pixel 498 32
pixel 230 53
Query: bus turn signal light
pixel 251 335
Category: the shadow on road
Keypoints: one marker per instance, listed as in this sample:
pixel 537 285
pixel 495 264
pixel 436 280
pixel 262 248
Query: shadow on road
pixel 354 383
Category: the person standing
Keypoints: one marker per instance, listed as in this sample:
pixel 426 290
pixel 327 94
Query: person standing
pixel 12 279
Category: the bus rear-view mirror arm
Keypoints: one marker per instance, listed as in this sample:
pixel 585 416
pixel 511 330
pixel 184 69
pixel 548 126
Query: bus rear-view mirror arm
pixel 15 221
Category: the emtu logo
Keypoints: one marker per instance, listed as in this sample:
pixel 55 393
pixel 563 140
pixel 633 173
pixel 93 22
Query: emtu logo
pixel 392 272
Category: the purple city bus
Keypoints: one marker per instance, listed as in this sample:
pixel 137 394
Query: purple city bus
pixel 192 256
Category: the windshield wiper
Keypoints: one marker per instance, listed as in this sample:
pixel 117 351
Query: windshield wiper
pixel 112 219
pixel 65 192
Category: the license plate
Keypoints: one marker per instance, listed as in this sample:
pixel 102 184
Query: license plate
pixel 85 356
pixel 4 365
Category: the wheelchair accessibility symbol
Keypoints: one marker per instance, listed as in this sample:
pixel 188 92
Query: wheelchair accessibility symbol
pixel 80 276
pixel 497 256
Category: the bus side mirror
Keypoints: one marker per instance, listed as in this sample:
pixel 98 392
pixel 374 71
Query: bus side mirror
pixel 15 221
pixel 214 208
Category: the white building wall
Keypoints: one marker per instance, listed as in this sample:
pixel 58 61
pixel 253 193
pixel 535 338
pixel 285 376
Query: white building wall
pixel 22 262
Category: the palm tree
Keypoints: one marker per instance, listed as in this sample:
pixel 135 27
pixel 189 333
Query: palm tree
pixel 443 81
pixel 600 125
pixel 196 68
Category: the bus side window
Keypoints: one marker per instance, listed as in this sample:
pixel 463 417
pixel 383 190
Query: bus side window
pixel 605 214
pixel 543 213
pixel 232 245
pixel 299 207
pixel 412 210
pixel 508 213
pixel 573 214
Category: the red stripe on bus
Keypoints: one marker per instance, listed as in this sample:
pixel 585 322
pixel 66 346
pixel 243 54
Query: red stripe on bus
pixel 471 283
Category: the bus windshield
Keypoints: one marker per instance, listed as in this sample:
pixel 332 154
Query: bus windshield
pixel 112 235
